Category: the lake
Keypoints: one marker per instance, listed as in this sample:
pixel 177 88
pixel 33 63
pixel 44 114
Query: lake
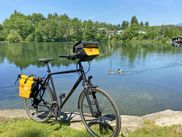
pixel 151 79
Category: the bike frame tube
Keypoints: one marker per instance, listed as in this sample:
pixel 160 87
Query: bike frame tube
pixel 49 78
pixel 71 91
pixel 82 77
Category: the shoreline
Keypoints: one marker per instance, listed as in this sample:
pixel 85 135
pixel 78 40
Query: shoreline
pixel 129 123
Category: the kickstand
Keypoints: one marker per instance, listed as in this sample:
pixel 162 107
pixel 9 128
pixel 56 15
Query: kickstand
pixel 54 122
pixel 55 111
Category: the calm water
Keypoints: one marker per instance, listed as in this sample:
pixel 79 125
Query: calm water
pixel 151 80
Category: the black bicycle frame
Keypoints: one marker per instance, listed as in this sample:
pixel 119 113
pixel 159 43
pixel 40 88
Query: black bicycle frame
pixel 49 78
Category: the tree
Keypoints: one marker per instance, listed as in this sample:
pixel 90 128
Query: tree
pixel 20 23
pixel 64 17
pixel 134 21
pixel 35 18
pixel 14 37
pixel 76 30
pixel 147 24
pixel 130 33
pixel 30 37
pixel 141 24
pixel 124 25
pixel 89 31
pixel 54 28
pixel 1 27
pixel 45 31
pixel 2 34
pixel 36 27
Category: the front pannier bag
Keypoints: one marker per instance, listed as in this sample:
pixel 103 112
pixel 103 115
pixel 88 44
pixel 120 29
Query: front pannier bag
pixel 86 51
pixel 27 86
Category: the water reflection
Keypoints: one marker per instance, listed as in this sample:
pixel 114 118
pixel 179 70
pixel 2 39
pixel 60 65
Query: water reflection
pixel 25 54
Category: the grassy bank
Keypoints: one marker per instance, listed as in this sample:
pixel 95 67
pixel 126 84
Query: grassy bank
pixel 29 128
pixel 151 130
pixel 147 42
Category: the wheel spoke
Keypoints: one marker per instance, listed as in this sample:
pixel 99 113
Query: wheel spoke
pixel 106 123
pixel 39 108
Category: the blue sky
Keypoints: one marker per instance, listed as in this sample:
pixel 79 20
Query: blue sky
pixel 157 12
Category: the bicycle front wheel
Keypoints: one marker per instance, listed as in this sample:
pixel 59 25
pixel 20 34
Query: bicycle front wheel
pixel 39 108
pixel 99 113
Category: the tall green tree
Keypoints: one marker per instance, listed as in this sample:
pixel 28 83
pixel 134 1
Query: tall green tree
pixel 54 28
pixel 64 17
pixel 89 31
pixel 20 23
pixel 76 30
pixel 130 33
pixel 141 24
pixel 147 24
pixel 47 31
pixel 124 25
pixel 2 34
pixel 1 27
pixel 134 21
pixel 35 18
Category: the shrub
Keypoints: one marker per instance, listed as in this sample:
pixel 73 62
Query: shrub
pixel 14 37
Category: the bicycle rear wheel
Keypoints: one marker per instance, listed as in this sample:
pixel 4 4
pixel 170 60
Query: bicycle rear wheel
pixel 39 108
pixel 105 119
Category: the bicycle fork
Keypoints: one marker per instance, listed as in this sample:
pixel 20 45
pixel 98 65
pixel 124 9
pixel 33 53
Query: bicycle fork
pixel 92 99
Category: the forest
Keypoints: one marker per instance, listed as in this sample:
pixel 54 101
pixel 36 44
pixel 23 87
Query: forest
pixel 61 28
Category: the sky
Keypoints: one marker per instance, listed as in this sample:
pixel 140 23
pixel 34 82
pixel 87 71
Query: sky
pixel 156 12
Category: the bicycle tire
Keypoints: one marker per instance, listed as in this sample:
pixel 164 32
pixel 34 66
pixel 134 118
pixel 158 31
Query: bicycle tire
pixel 101 121
pixel 48 113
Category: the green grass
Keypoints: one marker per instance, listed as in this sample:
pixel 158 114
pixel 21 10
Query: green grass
pixel 151 130
pixel 29 128
pixel 156 132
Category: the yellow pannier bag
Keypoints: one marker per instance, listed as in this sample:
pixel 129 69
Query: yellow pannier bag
pixel 25 85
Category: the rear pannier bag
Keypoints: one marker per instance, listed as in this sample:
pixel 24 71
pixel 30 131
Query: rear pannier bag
pixel 86 51
pixel 27 86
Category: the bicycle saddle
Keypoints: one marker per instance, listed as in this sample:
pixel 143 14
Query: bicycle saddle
pixel 45 60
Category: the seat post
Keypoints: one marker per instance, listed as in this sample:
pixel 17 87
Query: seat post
pixel 48 68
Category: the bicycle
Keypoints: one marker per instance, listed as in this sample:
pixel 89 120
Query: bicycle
pixel 98 111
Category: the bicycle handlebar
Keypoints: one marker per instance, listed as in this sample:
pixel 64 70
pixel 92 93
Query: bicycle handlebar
pixel 70 57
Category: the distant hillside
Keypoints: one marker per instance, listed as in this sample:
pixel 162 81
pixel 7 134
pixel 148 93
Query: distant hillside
pixel 180 24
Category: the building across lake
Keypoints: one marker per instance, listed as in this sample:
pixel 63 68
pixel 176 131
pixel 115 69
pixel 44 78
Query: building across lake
pixel 177 41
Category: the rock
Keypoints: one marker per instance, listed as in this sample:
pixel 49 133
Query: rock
pixel 131 123
pixel 13 113
pixel 165 118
